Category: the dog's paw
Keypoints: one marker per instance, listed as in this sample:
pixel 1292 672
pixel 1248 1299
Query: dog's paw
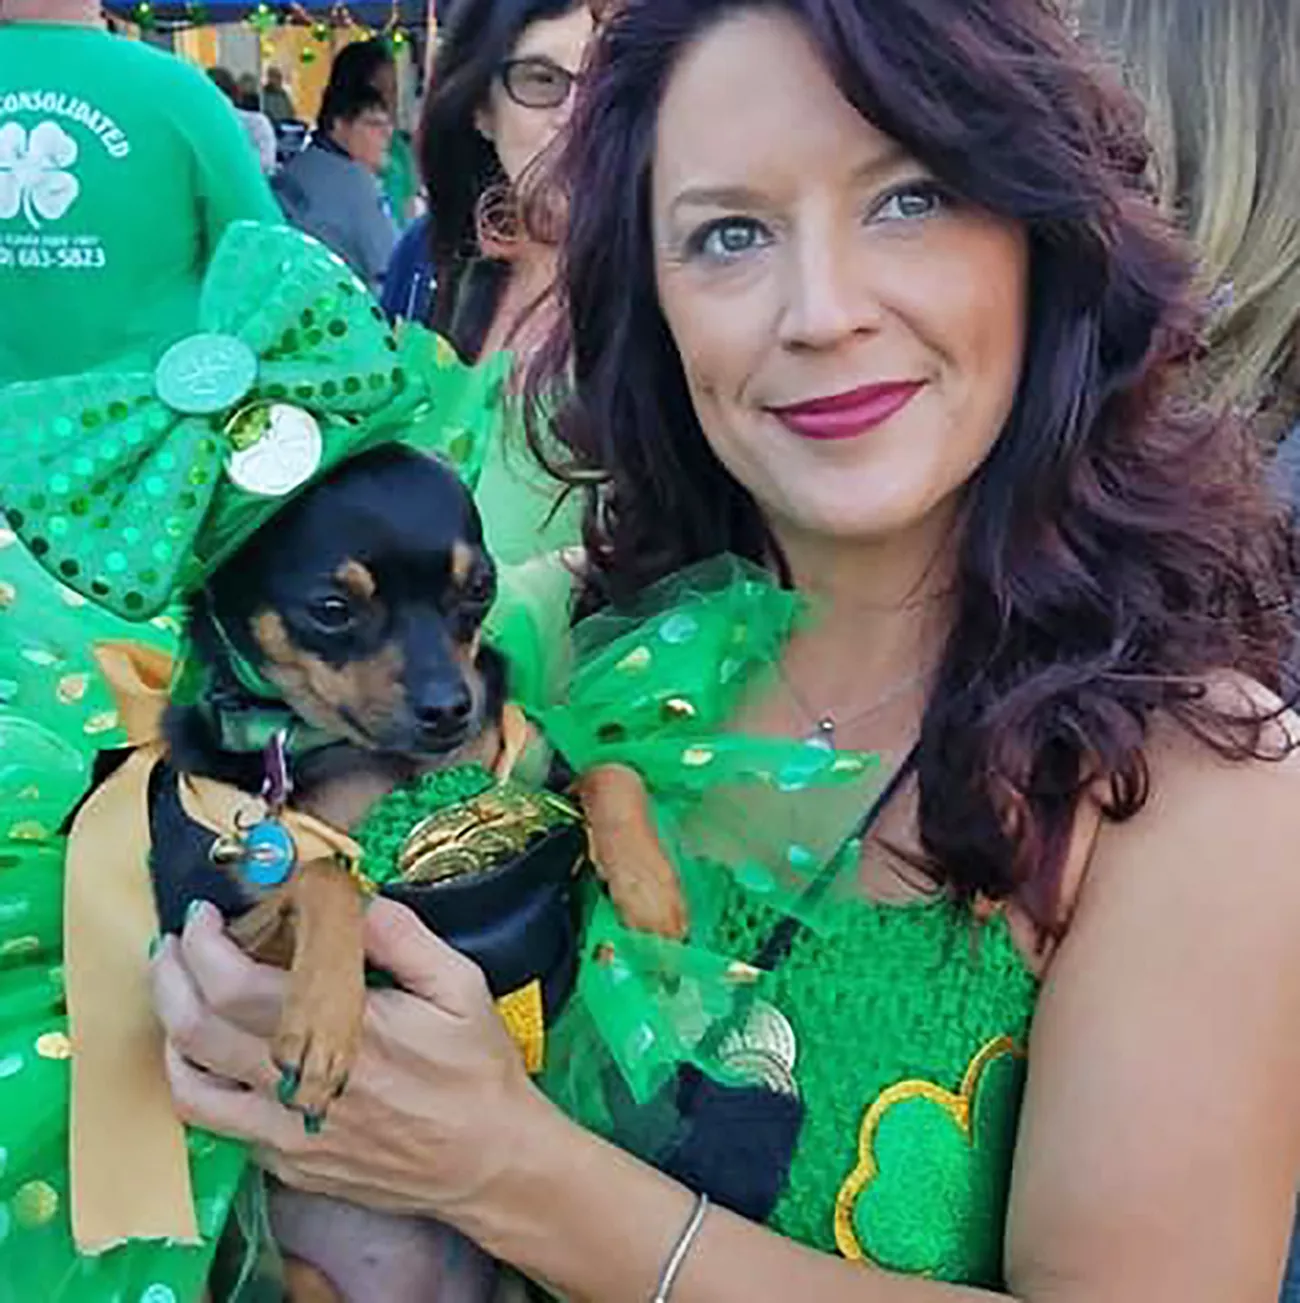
pixel 325 998
pixel 317 1040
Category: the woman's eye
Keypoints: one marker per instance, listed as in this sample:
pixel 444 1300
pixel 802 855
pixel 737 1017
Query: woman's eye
pixel 909 203
pixel 333 614
pixel 728 239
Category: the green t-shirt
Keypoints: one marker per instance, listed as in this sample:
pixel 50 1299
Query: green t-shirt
pixel 120 166
pixel 399 180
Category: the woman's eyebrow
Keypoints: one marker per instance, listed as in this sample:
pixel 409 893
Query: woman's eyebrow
pixel 881 161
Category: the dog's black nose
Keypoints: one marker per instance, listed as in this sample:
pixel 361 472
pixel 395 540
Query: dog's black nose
pixel 443 708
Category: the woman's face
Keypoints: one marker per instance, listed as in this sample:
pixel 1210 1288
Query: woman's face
pixel 851 336
pixel 532 97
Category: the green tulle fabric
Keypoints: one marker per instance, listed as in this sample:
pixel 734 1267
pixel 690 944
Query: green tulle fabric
pixel 761 829
pixel 133 486
pixel 55 714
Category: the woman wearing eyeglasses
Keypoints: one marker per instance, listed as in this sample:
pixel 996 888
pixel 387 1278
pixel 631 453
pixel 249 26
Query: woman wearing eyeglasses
pixel 501 91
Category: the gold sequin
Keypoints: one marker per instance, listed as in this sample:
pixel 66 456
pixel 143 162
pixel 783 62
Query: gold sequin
pixel 104 722
pixel 677 708
pixel 54 1045
pixel 29 831
pixel 697 757
pixel 167 623
pixel 8 594
pixel 35 1204
pixel 72 687
pixel 637 659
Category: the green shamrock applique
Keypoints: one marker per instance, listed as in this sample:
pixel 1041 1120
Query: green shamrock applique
pixel 928 1195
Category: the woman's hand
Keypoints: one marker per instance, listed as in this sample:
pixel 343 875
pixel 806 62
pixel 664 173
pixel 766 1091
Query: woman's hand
pixel 438 1101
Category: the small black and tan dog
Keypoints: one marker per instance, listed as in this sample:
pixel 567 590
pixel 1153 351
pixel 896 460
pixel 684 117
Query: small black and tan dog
pixel 351 626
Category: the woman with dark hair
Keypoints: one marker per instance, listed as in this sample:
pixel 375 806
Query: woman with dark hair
pixel 872 295
pixel 502 88
pixel 371 64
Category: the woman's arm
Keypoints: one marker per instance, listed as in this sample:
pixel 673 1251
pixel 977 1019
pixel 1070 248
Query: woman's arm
pixel 1158 1152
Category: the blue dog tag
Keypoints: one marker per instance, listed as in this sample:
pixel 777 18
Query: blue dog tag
pixel 269 854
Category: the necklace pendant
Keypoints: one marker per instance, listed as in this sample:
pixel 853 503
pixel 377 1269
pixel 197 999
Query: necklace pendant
pixel 824 735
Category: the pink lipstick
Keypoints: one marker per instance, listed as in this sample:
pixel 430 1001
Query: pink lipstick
pixel 845 416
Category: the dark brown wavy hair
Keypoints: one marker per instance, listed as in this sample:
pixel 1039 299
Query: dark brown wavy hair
pixel 1116 549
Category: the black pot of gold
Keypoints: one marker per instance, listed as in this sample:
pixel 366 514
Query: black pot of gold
pixel 489 866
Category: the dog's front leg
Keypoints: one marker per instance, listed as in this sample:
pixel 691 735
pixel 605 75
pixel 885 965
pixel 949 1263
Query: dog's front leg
pixel 321 1023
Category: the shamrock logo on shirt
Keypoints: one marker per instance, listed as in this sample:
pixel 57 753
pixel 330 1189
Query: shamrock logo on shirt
pixel 34 176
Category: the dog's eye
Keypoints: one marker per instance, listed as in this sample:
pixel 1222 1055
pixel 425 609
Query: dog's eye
pixel 333 614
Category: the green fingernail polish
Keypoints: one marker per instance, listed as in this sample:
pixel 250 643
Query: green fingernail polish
pixel 312 1123
pixel 290 1079
pixel 155 945
pixel 192 910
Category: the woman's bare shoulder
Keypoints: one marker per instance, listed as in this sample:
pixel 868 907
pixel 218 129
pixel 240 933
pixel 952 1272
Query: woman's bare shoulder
pixel 1213 820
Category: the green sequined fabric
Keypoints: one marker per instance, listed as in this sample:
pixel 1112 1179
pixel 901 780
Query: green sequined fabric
pixel 132 487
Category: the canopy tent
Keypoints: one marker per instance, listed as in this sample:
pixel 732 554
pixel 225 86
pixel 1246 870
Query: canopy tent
pixel 200 13
pixel 298 37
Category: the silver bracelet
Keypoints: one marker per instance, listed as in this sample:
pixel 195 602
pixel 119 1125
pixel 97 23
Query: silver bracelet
pixel 672 1268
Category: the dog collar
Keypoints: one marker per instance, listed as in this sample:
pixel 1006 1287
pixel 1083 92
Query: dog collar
pixel 247 726
pixel 246 729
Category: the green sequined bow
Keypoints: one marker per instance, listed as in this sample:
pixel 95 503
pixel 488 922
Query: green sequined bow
pixel 132 487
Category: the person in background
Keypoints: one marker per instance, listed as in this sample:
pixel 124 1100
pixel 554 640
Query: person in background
pixel 331 189
pixel 261 134
pixel 1221 82
pixel 116 195
pixel 502 89
pixel 277 103
pixel 503 85
pixel 371 63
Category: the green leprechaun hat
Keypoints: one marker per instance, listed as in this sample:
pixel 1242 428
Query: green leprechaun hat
pixel 132 487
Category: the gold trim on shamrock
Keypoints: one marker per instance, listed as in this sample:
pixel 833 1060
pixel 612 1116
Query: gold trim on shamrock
pixel 958 1108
